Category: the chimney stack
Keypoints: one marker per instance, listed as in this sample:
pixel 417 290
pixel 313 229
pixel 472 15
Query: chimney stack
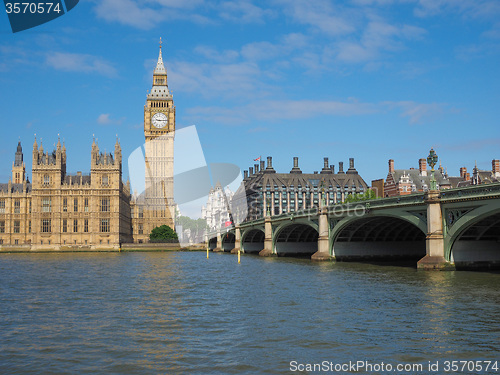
pixel 295 168
pixel 269 168
pixel 262 165
pixel 391 166
pixel 326 168
pixel 422 167
pixel 341 167
pixel 269 162
pixel 332 168
pixel 250 171
pixel 245 174
pixel 463 173
pixel 495 167
pixel 351 169
pixel 256 168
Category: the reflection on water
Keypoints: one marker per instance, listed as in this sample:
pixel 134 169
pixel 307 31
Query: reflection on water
pixel 179 313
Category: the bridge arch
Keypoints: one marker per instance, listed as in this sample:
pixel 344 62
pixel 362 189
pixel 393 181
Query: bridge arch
pixel 384 236
pixel 228 241
pixel 296 238
pixel 252 240
pixel 212 243
pixel 473 240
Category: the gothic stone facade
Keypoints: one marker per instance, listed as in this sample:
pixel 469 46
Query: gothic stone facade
pixel 59 211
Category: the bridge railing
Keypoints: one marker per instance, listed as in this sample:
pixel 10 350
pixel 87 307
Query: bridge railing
pixel 416 198
pixel 471 192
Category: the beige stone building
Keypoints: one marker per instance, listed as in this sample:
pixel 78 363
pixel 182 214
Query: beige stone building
pixel 60 211
pixel 155 206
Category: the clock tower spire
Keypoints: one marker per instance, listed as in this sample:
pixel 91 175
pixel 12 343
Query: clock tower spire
pixel 159 111
pixel 160 70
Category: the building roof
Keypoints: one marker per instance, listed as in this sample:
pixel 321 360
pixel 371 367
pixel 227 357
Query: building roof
pixel 456 181
pixel 48 158
pixel 105 158
pixel 15 188
pixel 418 180
pixel 486 177
pixel 159 93
pixel 77 180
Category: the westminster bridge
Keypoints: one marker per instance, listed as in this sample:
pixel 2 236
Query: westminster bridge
pixel 455 228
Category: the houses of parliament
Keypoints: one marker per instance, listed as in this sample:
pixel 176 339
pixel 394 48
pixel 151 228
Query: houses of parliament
pixel 62 211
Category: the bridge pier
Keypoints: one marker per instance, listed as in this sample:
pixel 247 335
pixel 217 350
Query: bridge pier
pixel 268 239
pixel 323 252
pixel 218 248
pixel 237 242
pixel 434 241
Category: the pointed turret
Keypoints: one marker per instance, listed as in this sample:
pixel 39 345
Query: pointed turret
pixel 160 67
pixel 35 153
pixel 160 85
pixel 18 168
pixel 118 153
pixel 95 151
pixel 18 161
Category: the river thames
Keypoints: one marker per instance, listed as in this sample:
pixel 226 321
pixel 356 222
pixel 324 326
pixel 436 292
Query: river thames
pixel 180 313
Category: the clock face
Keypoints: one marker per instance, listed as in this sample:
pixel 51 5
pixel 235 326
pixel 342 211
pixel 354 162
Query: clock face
pixel 159 120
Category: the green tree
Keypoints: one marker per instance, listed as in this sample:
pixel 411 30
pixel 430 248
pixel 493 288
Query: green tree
pixel 367 195
pixel 163 233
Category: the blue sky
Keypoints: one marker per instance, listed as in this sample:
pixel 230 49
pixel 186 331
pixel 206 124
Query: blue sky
pixel 369 79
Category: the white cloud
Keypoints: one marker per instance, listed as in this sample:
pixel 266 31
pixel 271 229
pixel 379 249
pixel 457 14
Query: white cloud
pixel 418 113
pixel 276 110
pixel 378 37
pixel 209 80
pixel 76 62
pixel 215 55
pixel 180 4
pixel 281 110
pixel 321 15
pixel 242 11
pixel 128 12
pixel 105 119
pixel 468 8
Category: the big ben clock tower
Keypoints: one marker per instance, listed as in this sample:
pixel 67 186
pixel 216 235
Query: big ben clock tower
pixel 159 128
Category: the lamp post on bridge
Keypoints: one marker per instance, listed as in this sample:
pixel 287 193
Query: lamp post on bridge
pixel 432 160
pixel 434 240
pixel 322 200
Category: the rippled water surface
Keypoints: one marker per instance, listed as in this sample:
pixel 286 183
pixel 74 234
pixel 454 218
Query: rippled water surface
pixel 179 313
